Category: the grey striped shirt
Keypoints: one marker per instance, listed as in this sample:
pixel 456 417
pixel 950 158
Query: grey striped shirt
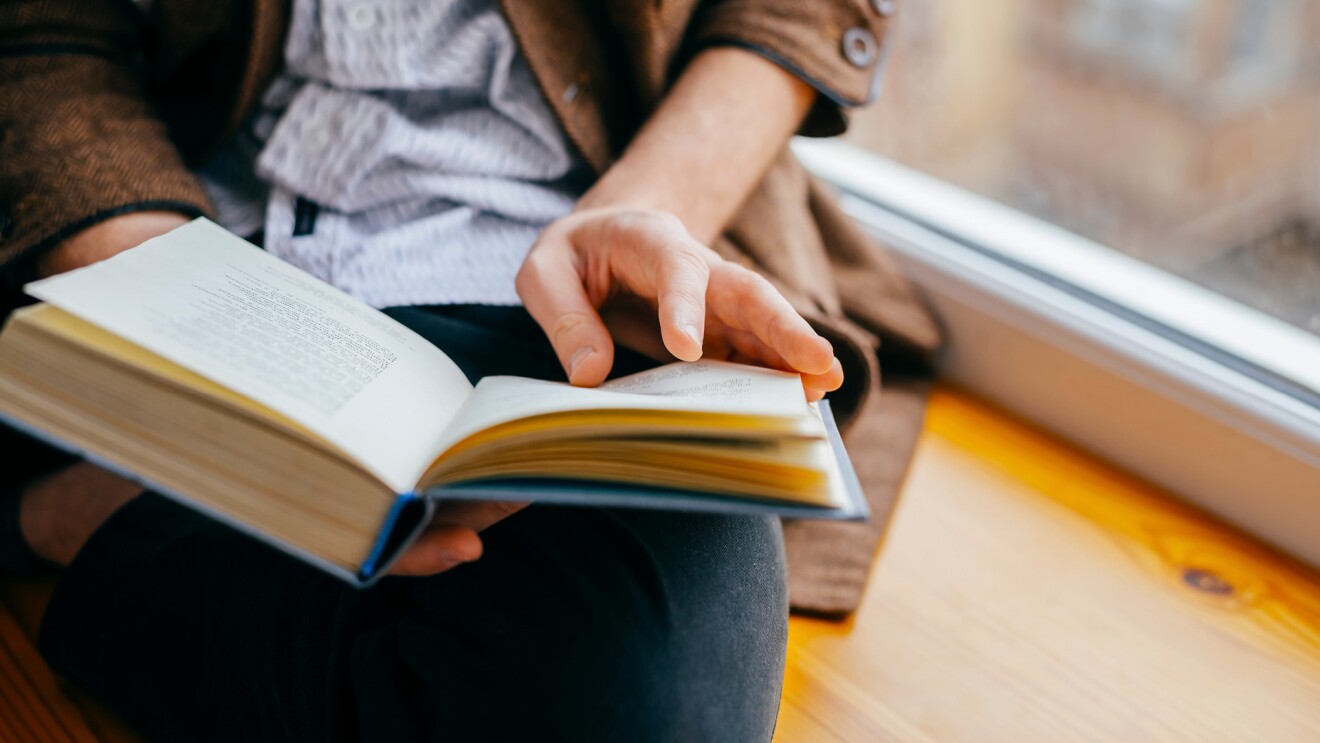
pixel 404 153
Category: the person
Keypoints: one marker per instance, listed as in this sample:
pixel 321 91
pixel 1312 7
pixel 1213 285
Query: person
pixel 426 157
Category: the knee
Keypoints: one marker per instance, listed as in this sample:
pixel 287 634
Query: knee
pixel 601 626
pixel 729 592
pixel 728 648
pixel 707 664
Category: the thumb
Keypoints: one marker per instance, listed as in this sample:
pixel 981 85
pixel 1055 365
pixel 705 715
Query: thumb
pixel 551 290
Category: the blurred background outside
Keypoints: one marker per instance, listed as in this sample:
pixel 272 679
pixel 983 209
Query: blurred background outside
pixel 1185 133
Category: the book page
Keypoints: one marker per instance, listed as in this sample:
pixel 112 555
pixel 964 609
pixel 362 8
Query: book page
pixel 227 310
pixel 728 388
pixel 699 387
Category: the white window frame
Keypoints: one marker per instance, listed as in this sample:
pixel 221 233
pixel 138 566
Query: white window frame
pixel 1214 401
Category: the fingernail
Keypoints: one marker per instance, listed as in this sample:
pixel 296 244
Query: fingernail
pixel 691 331
pixel 580 355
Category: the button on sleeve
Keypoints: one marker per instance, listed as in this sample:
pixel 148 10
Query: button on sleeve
pixel 859 46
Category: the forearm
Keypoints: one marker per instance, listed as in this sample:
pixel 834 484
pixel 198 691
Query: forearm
pixel 709 143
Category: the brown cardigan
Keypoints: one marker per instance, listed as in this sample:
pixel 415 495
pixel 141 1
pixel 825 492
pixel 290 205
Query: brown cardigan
pixel 102 114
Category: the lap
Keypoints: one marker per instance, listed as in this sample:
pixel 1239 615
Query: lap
pixel 577 623
pixel 594 624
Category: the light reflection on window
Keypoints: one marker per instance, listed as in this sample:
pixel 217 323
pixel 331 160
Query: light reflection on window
pixel 1183 132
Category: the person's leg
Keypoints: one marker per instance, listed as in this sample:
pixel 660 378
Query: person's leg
pixel 588 625
pixel 576 624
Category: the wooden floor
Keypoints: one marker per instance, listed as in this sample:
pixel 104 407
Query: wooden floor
pixel 1026 593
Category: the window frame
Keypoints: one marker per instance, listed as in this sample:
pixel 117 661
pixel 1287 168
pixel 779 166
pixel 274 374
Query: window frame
pixel 1209 399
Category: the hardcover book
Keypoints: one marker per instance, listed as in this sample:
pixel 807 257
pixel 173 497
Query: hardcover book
pixel 214 373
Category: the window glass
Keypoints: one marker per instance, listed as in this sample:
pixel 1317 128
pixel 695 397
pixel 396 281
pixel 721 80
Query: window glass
pixel 1185 133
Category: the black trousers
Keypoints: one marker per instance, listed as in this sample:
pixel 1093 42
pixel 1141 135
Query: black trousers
pixel 577 624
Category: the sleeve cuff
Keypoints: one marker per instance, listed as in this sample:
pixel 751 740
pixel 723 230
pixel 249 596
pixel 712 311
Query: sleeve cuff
pixel 838 47
pixel 23 267
pixel 76 159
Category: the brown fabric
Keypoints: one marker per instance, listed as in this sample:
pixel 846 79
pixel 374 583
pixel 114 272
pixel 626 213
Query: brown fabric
pixel 828 562
pixel 87 130
pixel 79 140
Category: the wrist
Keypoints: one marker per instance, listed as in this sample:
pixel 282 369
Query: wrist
pixel 107 238
pixel 605 203
pixel 58 514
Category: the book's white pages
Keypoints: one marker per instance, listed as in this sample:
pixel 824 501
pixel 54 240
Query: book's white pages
pixel 692 387
pixel 210 301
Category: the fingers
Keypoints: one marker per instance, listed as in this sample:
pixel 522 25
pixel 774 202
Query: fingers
pixel 654 257
pixel 646 254
pixel 632 323
pixel 744 347
pixel 681 295
pixel 816 385
pixel 591 257
pixel 551 287
pixel 475 515
pixel 745 301
pixel 438 549
pixel 452 539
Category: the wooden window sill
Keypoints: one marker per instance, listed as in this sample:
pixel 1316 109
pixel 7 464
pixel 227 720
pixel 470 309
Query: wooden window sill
pixel 1028 592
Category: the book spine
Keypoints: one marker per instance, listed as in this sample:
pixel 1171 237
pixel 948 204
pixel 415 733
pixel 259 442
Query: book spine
pixel 860 510
pixel 407 518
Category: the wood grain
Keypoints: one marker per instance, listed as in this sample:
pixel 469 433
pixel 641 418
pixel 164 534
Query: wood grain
pixel 1030 593
pixel 25 600
pixel 32 705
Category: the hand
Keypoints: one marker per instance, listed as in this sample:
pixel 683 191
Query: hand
pixel 616 270
pixel 451 538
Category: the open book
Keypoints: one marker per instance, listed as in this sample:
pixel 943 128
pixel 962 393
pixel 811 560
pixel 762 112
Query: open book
pixel 213 372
